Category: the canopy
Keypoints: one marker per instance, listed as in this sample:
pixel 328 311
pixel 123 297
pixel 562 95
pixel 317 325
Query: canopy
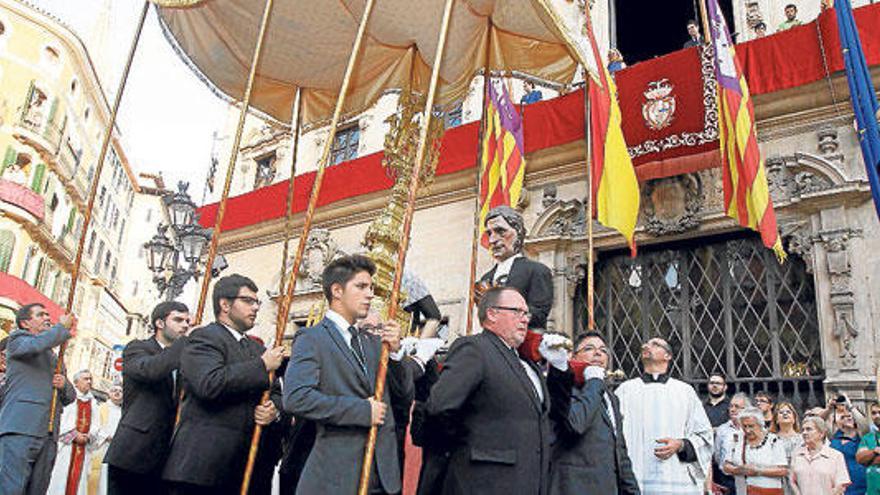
pixel 308 43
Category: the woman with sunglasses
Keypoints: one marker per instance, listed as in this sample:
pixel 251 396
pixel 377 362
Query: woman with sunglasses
pixel 787 428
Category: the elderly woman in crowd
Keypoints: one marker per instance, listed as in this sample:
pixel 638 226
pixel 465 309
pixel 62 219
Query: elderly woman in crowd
pixel 757 461
pixel 816 468
pixel 788 429
pixel 846 439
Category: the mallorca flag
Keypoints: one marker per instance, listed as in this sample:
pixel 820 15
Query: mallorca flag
pixel 615 188
pixel 503 162
pixel 746 195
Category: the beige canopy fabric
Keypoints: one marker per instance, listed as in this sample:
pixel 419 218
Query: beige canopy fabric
pixel 308 43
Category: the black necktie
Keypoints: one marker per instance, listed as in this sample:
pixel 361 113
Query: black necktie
pixel 356 347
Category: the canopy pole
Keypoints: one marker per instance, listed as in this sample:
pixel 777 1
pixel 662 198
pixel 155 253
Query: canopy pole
pixel 288 219
pixel 230 167
pixel 369 450
pixel 93 189
pixel 287 300
pixel 475 241
pixel 230 170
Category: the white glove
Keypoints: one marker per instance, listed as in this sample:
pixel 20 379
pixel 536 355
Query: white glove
pixel 552 349
pixel 426 348
pixel 407 347
pixel 591 372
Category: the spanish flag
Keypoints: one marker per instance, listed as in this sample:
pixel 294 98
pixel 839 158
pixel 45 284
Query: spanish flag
pixel 503 163
pixel 615 188
pixel 746 194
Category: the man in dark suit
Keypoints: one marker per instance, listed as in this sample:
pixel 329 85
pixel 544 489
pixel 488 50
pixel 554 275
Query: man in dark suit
pixel 224 376
pixel 149 369
pixel 589 454
pixel 694 35
pixel 491 407
pixel 506 233
pixel 331 380
pixel 27 447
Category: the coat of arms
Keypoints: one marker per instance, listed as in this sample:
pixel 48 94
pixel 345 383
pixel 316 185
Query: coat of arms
pixel 659 109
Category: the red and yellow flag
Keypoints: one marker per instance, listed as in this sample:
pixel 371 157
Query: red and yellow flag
pixel 615 188
pixel 746 194
pixel 503 163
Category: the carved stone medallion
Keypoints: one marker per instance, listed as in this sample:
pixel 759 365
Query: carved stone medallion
pixel 671 205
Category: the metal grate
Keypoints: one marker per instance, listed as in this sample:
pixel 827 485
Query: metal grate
pixel 723 305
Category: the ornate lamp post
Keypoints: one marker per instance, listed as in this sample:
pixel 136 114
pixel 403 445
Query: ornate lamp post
pixel 176 259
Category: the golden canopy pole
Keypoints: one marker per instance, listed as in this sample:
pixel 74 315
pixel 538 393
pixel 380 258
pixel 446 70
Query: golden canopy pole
pixel 288 218
pixel 475 241
pixel 230 167
pixel 366 468
pixel 93 189
pixel 287 300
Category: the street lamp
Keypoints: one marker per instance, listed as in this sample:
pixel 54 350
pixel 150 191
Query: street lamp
pixel 176 260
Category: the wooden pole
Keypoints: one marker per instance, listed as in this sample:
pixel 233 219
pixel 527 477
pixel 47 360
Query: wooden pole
pixel 366 468
pixel 475 241
pixel 93 189
pixel 288 219
pixel 287 300
pixel 230 167
pixel 588 140
pixel 707 34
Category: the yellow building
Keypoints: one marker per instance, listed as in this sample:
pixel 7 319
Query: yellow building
pixel 53 114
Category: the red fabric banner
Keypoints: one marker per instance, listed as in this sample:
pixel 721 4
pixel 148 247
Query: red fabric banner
pixel 784 60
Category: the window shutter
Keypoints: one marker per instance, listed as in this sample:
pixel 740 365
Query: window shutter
pixel 38 178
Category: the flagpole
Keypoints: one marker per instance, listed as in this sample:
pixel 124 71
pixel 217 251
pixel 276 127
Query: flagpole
pixel 93 190
pixel 366 469
pixel 475 241
pixel 287 299
pixel 588 141
pixel 288 218
pixel 707 34
pixel 230 167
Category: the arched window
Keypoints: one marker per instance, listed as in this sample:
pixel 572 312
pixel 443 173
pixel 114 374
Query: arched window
pixel 7 244
pixel 2 28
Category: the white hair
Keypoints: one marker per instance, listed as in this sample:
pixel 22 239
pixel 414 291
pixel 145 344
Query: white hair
pixel 754 413
pixel 818 422
pixel 744 398
pixel 79 374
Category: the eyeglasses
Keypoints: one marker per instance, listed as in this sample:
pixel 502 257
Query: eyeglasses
pixel 720 384
pixel 250 301
pixel 603 350
pixel 762 401
pixel 519 312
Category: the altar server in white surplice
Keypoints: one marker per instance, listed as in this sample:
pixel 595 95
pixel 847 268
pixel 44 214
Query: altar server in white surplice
pixel 665 426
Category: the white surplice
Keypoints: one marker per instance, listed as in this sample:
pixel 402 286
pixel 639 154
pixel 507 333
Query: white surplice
pixel 110 416
pixel 656 410
pixel 66 433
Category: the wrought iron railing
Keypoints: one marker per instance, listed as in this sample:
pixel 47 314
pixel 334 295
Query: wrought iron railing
pixel 725 305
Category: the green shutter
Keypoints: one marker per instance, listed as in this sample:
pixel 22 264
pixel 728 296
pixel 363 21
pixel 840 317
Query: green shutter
pixel 7 244
pixel 8 159
pixel 27 101
pixel 71 219
pixel 38 178
pixel 53 110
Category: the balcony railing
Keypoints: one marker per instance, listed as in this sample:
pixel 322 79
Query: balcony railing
pixel 46 136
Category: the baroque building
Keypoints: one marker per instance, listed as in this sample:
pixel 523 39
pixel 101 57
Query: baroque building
pixel 53 115
pixel 803 329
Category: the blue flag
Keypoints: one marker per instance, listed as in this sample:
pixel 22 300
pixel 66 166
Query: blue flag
pixel 862 95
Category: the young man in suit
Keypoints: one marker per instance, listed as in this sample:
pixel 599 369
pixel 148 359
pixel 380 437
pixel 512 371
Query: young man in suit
pixel 149 404
pixel 27 448
pixel 506 232
pixel 224 376
pixel 589 454
pixel 490 407
pixel 331 380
